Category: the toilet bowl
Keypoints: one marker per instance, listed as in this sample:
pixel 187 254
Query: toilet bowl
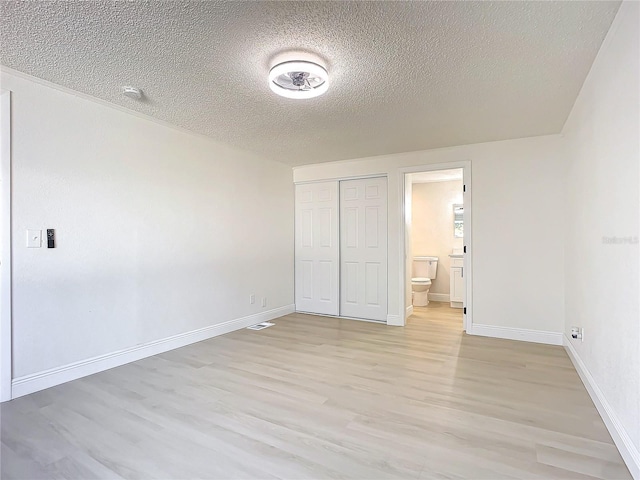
pixel 420 287
pixel 424 270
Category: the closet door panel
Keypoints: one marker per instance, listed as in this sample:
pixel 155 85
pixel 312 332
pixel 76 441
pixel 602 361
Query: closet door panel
pixel 317 248
pixel 363 248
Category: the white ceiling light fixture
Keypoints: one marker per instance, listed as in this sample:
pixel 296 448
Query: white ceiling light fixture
pixel 298 79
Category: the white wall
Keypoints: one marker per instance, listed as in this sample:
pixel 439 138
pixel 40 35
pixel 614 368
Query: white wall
pixel 518 276
pixel 432 226
pixel 602 135
pixel 159 231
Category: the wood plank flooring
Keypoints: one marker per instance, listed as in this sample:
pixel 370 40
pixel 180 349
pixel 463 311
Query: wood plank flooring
pixel 316 397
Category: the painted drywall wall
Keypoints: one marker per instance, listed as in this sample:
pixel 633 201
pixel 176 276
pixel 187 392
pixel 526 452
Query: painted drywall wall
pixel 158 231
pixel 518 276
pixel 602 220
pixel 432 226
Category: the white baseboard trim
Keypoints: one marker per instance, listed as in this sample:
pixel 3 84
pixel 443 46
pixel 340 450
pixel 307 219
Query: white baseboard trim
pixel 522 334
pixel 628 450
pixel 438 297
pixel 55 376
pixel 409 311
pixel 395 320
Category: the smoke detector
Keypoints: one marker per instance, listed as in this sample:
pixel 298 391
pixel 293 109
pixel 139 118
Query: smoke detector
pixel 132 92
pixel 298 79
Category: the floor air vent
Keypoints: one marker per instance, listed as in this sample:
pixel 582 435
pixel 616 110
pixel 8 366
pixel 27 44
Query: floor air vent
pixel 261 326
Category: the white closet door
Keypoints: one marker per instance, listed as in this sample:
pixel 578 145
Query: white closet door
pixel 317 248
pixel 363 248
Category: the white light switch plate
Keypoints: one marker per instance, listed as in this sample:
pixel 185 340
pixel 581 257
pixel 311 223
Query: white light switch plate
pixel 34 238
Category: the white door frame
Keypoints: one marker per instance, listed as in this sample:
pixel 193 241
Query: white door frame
pixel 467 240
pixel 5 254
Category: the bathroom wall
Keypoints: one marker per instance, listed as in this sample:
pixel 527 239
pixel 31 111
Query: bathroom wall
pixel 432 228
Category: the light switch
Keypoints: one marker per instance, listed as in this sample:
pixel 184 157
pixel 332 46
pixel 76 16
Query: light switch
pixel 34 238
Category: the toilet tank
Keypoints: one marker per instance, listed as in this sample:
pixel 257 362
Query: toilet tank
pixel 425 267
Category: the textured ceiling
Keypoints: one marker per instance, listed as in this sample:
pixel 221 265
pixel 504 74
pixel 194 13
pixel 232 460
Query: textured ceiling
pixel 404 76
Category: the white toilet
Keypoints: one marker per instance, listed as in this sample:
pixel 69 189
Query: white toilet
pixel 424 270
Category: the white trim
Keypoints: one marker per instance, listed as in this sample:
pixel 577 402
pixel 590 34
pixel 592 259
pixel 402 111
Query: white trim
pixel 5 255
pixel 467 319
pixel 55 376
pixel 521 334
pixel 465 165
pixel 438 297
pixel 395 321
pixel 340 179
pixel 628 450
pixel 408 312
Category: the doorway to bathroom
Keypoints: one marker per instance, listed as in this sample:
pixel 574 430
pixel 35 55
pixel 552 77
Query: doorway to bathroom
pixel 437 240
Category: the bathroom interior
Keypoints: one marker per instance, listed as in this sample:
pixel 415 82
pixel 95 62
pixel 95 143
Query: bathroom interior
pixel 436 227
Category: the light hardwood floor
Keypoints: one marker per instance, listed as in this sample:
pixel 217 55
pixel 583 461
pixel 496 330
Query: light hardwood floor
pixel 316 397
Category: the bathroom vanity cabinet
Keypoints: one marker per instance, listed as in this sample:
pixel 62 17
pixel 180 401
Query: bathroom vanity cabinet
pixel 456 285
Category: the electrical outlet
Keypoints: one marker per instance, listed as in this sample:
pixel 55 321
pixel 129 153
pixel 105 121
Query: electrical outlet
pixel 252 299
pixel 264 301
pixel 577 333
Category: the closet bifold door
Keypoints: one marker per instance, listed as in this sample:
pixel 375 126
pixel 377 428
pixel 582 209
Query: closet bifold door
pixel 317 248
pixel 363 248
